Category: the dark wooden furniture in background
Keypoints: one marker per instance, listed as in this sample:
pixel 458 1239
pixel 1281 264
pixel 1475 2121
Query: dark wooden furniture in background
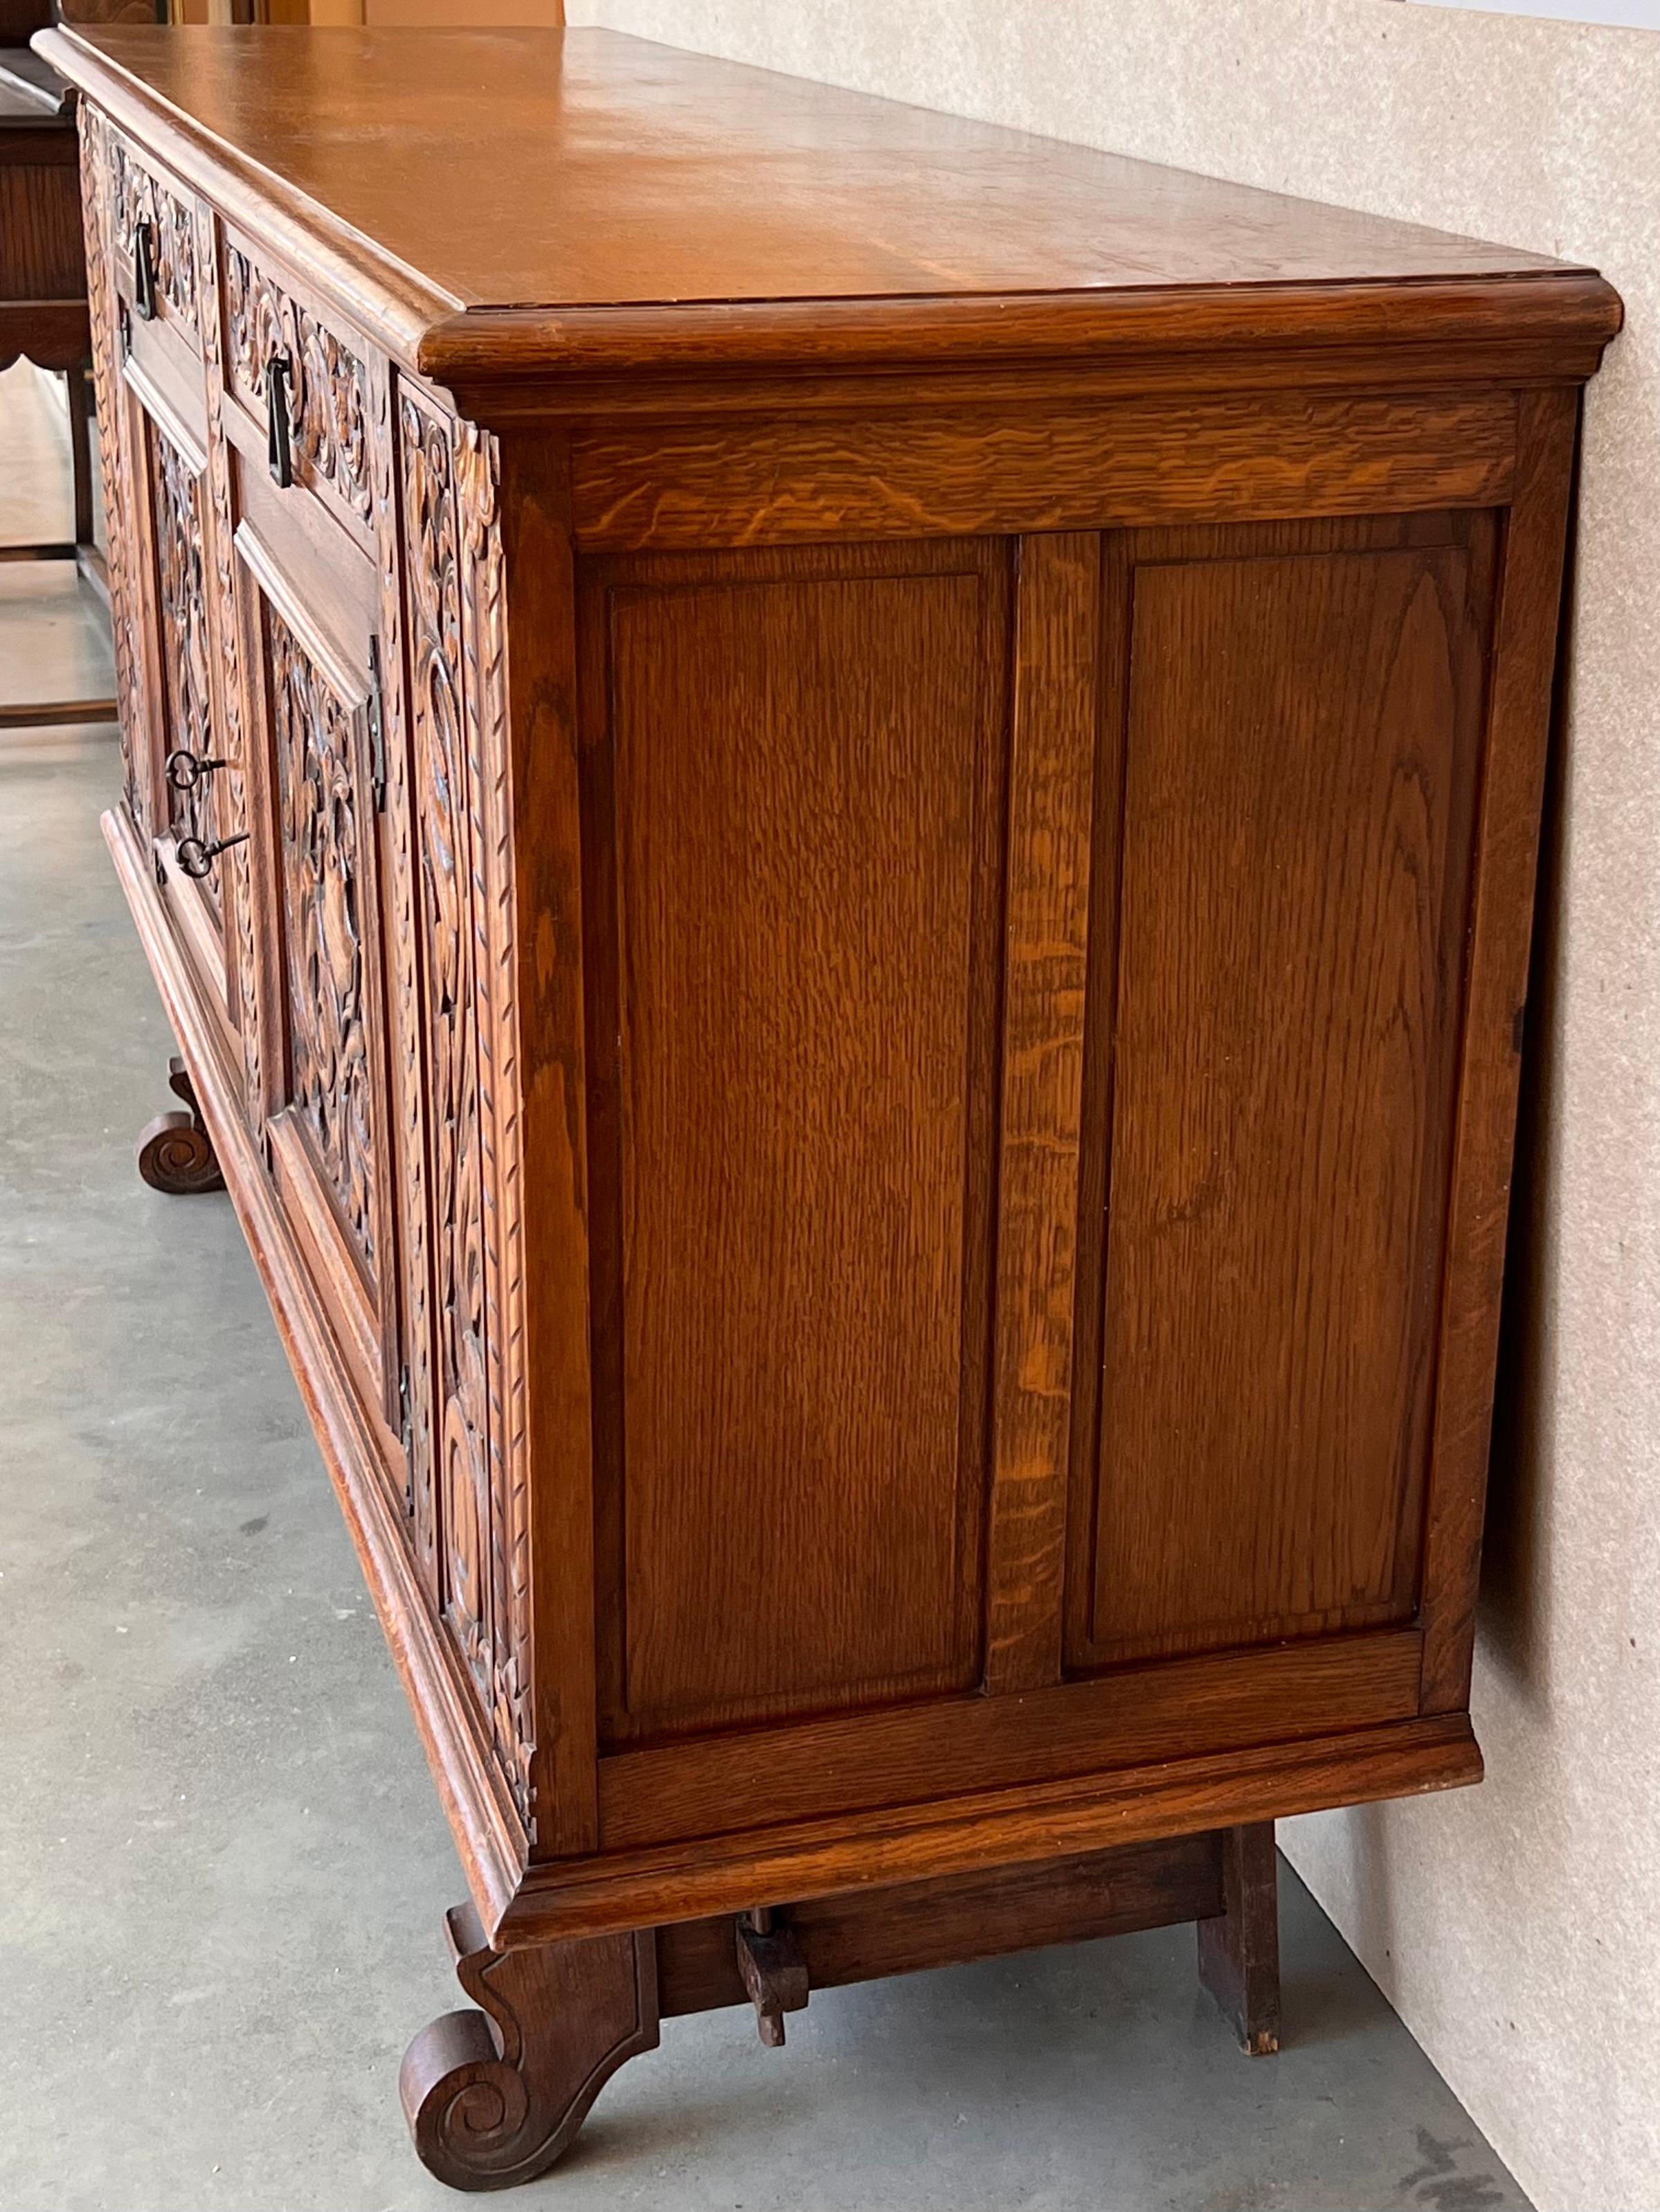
pixel 43 293
pixel 839 814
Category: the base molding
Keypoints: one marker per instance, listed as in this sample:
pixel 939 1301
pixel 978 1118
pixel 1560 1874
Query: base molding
pixel 1010 1828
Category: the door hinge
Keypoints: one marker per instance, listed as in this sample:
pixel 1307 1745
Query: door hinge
pixel 377 728
pixel 405 1423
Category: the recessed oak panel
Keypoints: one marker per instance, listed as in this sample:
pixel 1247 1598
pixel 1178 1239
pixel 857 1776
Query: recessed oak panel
pixel 1301 733
pixel 799 792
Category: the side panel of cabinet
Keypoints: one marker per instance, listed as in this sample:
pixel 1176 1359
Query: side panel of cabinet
pixel 1277 995
pixel 794 769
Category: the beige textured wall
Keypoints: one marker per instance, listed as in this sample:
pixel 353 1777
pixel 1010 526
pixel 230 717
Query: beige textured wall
pixel 1516 1927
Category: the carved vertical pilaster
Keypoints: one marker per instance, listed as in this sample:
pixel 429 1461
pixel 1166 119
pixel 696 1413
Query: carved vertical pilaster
pixel 448 903
pixel 106 391
pixel 242 952
pixel 407 1053
pixel 458 720
pixel 478 478
pixel 186 646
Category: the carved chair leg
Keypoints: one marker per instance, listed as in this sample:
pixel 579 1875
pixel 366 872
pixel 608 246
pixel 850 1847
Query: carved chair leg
pixel 175 1152
pixel 493 2098
pixel 1239 1950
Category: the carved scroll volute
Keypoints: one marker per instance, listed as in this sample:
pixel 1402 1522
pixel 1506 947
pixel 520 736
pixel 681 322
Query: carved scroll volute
pixel 95 186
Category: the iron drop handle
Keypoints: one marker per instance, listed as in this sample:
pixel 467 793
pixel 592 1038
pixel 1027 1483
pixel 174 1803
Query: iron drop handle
pixel 279 376
pixel 144 271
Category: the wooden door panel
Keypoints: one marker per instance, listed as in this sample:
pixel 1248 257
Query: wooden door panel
pixel 193 800
pixel 796 804
pixel 313 692
pixel 1275 1090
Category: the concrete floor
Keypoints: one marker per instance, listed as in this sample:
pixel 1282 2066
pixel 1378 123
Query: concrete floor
pixel 224 1865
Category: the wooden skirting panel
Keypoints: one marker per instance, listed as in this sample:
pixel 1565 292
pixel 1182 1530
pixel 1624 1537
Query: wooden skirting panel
pixel 959 473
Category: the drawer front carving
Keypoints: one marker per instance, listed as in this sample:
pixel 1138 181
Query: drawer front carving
pixel 325 387
pixel 322 876
pixel 154 243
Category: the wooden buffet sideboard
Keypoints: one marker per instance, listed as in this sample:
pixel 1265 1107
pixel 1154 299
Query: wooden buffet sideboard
pixel 838 811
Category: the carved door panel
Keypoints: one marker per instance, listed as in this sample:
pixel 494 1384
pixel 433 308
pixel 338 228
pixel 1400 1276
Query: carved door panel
pixel 312 656
pixel 188 779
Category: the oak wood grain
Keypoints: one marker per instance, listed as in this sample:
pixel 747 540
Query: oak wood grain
pixel 1053 746
pixel 541 823
pixel 867 1032
pixel 708 180
pixel 1170 1709
pixel 804 765
pixel 1517 737
pixel 1287 1003
pixel 1013 1827
pixel 778 222
pixel 1132 461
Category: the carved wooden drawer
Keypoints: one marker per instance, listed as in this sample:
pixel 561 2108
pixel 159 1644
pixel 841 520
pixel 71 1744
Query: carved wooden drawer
pixel 279 349
pixel 155 244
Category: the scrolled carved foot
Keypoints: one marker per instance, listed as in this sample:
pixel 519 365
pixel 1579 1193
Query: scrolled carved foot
pixel 493 2098
pixel 175 1152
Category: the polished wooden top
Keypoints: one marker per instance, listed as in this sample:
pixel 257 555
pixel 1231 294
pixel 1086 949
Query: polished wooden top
pixel 577 167
pixel 597 174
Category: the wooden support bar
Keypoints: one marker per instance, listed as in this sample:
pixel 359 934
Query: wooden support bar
pixel 1239 1948
pixel 908 1926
